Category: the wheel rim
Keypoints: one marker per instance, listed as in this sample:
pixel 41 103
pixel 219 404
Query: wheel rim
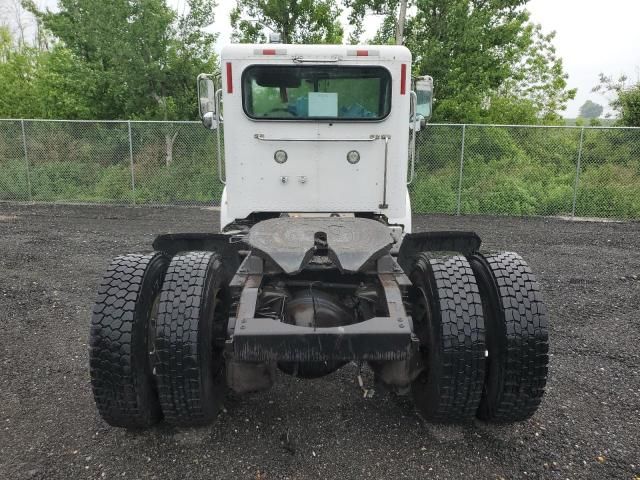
pixel 422 315
pixel 218 330
pixel 151 335
pixel 423 325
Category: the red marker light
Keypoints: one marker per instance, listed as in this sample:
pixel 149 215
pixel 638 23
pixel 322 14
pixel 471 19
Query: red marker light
pixel 269 51
pixel 363 53
pixel 403 79
pixel 229 79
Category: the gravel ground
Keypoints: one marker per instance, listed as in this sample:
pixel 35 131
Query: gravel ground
pixel 587 427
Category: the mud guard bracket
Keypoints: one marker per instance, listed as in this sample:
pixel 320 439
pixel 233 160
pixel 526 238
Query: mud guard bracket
pixel 466 243
pixel 225 245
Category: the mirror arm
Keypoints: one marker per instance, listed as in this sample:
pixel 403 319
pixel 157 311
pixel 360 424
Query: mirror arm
pixel 412 144
pixel 218 101
pixel 198 93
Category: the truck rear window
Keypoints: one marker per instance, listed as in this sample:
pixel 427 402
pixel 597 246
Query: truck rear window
pixel 278 92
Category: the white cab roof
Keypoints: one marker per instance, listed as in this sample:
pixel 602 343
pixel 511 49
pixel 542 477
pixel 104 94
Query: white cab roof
pixel 241 51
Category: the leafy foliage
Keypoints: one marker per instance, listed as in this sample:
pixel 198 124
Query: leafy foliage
pixel 137 59
pixel 40 84
pixel 626 101
pixel 90 162
pixel 528 171
pixel 591 110
pixel 129 59
pixel 539 78
pixel 489 63
pixel 298 21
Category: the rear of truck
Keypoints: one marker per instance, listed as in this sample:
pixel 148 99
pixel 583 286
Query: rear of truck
pixel 316 265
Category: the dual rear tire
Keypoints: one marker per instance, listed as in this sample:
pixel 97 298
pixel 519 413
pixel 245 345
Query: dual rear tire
pixel 483 336
pixel 190 336
pixel 447 318
pixel 517 337
pixel 122 319
pixel 158 331
pixel 156 340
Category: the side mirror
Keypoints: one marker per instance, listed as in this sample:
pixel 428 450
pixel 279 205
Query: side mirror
pixel 424 92
pixel 207 101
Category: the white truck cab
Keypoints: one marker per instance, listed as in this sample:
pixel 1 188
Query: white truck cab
pixel 315 130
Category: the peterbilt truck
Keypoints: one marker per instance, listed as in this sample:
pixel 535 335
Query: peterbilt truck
pixel 315 263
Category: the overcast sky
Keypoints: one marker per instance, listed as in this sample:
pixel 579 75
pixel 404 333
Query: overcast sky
pixel 592 37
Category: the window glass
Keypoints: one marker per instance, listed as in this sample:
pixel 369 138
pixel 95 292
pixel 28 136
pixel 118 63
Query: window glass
pixel 316 92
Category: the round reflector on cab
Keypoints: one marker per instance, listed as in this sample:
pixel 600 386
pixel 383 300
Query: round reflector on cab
pixel 353 157
pixel 280 156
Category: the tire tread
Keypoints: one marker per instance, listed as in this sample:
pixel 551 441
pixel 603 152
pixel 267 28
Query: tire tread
pixel 462 346
pixel 120 398
pixel 525 323
pixel 180 388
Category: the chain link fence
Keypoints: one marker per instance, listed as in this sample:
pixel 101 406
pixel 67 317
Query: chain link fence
pixel 460 169
pixel 528 170
pixel 154 163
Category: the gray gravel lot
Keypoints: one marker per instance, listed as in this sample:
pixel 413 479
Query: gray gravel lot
pixel 588 426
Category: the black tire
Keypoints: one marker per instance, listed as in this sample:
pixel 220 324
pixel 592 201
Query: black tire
pixel 121 375
pixel 191 330
pixel 448 320
pixel 517 337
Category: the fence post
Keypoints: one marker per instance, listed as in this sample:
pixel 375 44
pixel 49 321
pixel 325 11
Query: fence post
pixel 575 184
pixel 26 159
pixel 133 175
pixel 464 132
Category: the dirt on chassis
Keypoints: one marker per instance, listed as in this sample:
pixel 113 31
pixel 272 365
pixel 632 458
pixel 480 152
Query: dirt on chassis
pixel 464 332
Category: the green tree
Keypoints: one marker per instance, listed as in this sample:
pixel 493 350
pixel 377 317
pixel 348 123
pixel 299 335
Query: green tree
pixel 591 109
pixel 538 77
pixel 6 43
pixel 41 84
pixel 360 9
pixel 298 21
pixel 488 61
pixel 626 99
pixel 140 57
pixel 510 109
